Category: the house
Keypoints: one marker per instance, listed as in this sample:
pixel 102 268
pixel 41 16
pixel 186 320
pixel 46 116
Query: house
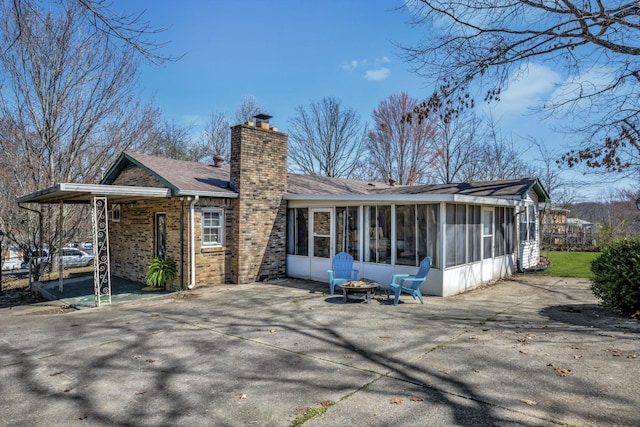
pixel 252 220
pixel 11 258
pixel 553 223
pixel 561 232
pixel 580 234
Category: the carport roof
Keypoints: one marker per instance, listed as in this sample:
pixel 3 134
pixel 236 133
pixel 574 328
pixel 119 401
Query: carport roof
pixel 83 193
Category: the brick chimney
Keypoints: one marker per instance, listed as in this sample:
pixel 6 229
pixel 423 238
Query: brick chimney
pixel 258 173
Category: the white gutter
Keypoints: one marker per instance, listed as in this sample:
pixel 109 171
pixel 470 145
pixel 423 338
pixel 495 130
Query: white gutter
pixel 411 198
pixel 192 244
pixel 221 194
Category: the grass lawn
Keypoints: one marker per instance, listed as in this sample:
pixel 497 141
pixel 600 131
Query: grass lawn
pixel 570 264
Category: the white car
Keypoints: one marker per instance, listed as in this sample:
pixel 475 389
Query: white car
pixel 74 257
pixel 71 257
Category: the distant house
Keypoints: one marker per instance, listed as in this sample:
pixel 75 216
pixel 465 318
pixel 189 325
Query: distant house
pixel 553 225
pixel 11 258
pixel 252 220
pixel 559 231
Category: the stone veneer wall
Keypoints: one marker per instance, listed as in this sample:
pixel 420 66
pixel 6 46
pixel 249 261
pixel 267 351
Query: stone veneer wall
pixel 258 220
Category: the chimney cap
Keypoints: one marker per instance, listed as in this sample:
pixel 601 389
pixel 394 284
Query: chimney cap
pixel 262 117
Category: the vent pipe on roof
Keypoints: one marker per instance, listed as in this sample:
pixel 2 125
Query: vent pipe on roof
pixel 218 160
pixel 392 182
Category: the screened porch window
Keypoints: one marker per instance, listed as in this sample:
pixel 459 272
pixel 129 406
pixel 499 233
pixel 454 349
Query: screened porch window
pixel 406 236
pixel 456 235
pixel 347 232
pixel 504 231
pixel 417 234
pixel 378 238
pixel 474 236
pixel 298 231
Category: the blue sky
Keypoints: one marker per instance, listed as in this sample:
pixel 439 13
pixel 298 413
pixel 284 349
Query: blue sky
pixel 285 53
pixel 288 53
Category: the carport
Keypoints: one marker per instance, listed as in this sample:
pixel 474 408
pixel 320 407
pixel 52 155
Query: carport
pixel 98 197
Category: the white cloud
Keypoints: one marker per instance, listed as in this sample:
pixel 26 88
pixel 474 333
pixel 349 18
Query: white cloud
pixel 377 74
pixel 350 66
pixel 528 88
pixel 571 91
pixel 374 69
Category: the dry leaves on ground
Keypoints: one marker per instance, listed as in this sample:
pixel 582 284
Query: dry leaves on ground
pixel 563 372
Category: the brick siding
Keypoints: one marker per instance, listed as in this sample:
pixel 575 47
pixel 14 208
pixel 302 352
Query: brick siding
pixel 259 174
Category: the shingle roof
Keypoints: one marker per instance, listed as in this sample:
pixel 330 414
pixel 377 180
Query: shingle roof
pixel 192 177
pixel 503 188
pixel 181 176
pixel 312 184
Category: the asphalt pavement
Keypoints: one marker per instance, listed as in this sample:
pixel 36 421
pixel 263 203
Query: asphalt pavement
pixel 532 351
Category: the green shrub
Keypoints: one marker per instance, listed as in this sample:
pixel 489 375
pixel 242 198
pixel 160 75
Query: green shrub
pixel 616 276
pixel 161 271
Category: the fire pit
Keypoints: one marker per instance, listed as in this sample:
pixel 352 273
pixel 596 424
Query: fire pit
pixel 359 290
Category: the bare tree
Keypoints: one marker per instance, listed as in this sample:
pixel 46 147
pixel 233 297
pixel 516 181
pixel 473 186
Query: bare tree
pixel 217 136
pixel 248 108
pixel 491 41
pixel 400 149
pixel 456 140
pixel 174 141
pixel 128 29
pixel 67 105
pixel 326 139
pixel 497 158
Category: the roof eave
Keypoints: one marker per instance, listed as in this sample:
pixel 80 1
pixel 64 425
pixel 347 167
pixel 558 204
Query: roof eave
pixel 216 194
pixel 543 196
pixel 81 193
pixel 408 198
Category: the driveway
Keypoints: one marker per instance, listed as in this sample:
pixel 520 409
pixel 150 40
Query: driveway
pixel 533 351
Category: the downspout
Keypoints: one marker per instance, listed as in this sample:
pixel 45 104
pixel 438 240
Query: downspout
pixel 192 243
pixel 181 242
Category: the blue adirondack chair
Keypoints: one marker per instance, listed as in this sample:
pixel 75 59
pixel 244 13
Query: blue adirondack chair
pixel 342 271
pixel 409 284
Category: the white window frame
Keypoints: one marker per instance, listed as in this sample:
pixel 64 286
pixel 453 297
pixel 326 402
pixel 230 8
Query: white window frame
pixel 220 227
pixel 114 213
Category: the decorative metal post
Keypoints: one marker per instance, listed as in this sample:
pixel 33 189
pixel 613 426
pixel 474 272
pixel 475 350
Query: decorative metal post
pixel 60 251
pixel 1 257
pixel 101 262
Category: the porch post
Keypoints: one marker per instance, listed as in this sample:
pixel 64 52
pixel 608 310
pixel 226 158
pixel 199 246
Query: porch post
pixel 101 262
pixel 60 245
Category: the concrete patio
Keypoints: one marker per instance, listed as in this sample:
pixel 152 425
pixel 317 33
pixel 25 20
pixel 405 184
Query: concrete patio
pixel 78 292
pixel 533 351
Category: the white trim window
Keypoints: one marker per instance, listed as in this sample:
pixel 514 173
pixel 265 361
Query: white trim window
pixel 528 223
pixel 113 214
pixel 212 227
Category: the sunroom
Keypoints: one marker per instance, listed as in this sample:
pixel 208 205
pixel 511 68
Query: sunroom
pixel 474 233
